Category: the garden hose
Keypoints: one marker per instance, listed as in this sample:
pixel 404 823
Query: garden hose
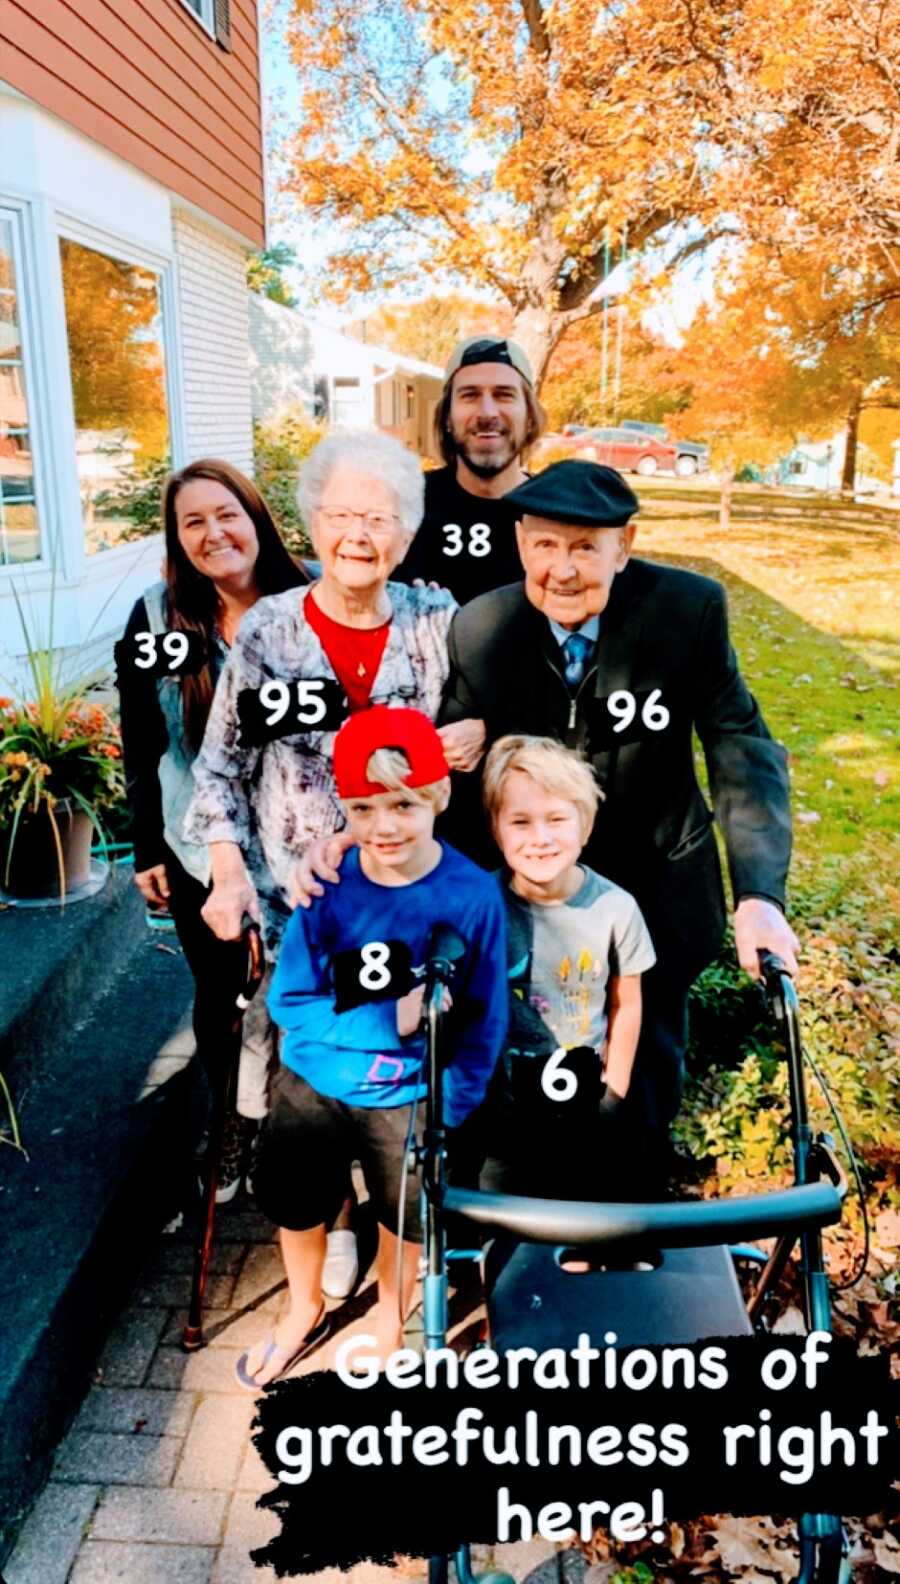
pixel 125 851
pixel 103 850
pixel 854 1167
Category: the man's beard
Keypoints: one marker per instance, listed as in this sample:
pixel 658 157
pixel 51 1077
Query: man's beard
pixel 488 469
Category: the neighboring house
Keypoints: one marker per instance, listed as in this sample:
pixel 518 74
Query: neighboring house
pixel 812 464
pixel 132 190
pixel 295 360
pixel 819 465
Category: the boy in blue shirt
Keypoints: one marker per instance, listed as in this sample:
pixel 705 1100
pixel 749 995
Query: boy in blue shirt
pixel 348 992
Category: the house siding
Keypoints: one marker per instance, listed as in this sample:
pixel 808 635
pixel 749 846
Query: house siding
pixel 145 80
pixel 212 292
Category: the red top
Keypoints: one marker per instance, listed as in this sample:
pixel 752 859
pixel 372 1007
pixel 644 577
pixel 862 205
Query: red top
pixel 355 652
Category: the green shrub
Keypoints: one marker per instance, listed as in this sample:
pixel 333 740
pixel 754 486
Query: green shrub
pixel 137 498
pixel 732 1128
pixel 279 447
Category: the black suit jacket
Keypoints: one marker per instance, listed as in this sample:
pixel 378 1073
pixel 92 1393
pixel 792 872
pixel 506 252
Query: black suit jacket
pixel 663 669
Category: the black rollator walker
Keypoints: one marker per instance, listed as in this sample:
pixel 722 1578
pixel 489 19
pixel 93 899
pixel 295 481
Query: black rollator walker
pixel 223 1098
pixel 690 1291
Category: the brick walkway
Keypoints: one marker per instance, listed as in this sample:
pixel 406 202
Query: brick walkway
pixel 157 1481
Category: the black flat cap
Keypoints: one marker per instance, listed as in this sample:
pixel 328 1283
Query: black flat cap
pixel 586 494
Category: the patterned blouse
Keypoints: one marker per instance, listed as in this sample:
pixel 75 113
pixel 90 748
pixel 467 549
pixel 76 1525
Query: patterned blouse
pixel 272 801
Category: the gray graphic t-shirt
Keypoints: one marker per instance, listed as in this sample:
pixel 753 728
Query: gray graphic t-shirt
pixel 577 945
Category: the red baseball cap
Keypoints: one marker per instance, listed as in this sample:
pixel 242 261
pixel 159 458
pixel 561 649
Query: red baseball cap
pixel 384 727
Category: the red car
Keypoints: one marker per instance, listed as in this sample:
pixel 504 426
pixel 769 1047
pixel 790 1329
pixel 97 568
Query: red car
pixel 627 450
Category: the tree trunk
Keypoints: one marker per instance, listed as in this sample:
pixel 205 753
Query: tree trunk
pixel 537 335
pixel 726 481
pixel 848 480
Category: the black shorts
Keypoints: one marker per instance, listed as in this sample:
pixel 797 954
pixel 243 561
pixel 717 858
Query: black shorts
pixel 307 1146
pixel 546 1149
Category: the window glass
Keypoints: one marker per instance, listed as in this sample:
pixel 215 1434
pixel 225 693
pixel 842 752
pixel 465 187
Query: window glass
pixel 348 408
pixel 19 531
pixel 202 9
pixel 117 364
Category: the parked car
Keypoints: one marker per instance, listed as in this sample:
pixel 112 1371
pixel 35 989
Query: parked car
pixel 693 455
pixel 624 449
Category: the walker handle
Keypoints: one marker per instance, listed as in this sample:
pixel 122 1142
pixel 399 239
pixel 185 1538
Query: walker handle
pixel 682 1224
pixel 778 988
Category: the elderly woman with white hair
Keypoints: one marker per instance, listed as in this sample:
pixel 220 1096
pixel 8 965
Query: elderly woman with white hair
pixel 301 660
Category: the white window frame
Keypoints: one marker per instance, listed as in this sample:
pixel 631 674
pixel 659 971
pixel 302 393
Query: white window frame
pixel 205 17
pixel 38 225
pixel 29 292
pixel 126 251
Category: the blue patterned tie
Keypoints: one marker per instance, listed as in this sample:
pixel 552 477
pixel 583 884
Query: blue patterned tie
pixel 576 650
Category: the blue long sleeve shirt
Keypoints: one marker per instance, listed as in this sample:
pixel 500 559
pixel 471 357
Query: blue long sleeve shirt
pixel 348 959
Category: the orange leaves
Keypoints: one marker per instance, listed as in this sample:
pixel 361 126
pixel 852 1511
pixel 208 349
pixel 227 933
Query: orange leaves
pixel 497 141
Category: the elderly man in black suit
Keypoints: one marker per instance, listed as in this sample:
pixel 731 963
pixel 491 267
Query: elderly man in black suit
pixel 625 660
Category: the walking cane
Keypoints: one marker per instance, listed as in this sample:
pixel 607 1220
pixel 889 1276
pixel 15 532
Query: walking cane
pixel 224 1093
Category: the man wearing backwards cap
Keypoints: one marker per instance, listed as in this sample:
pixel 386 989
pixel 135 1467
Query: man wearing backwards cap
pixel 487 416
pixel 624 659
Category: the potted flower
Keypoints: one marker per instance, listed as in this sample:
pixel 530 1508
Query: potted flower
pixel 60 770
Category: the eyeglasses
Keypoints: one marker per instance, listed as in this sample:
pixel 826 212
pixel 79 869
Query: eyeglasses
pixel 342 518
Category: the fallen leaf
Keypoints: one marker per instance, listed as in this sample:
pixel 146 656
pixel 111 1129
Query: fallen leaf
pixel 751 1543
pixel 887 1553
pixel 791 1323
pixel 676 1540
pixel 888 1228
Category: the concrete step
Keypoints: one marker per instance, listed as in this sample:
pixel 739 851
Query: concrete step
pixel 93 1024
pixel 55 962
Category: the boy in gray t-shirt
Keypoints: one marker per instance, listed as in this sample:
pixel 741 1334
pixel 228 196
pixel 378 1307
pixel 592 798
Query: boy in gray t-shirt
pixel 557 1120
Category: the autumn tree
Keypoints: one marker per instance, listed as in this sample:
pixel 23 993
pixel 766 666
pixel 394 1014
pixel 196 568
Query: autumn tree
pixel 265 273
pixel 808 349
pixel 641 380
pixel 501 145
pixel 430 328
pixel 507 145
pixel 738 394
pixel 811 161
pixel 114 330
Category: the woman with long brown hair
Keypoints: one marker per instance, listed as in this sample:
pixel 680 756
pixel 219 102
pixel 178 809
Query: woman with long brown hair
pixel 223 553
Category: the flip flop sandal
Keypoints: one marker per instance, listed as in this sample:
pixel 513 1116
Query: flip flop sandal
pixel 280 1357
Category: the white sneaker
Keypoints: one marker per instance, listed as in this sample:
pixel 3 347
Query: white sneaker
pixel 227 1191
pixel 341 1266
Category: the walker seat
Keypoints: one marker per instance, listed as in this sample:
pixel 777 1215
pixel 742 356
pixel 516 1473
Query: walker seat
pixel 687 1295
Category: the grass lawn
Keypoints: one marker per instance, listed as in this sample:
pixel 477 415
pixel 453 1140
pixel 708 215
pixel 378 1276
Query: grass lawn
pixel 813 619
pixel 813 590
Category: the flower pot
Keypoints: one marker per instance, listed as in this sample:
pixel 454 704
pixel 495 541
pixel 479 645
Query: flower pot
pixel 34 868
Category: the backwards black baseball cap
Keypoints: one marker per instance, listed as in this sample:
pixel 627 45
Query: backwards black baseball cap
pixel 488 349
